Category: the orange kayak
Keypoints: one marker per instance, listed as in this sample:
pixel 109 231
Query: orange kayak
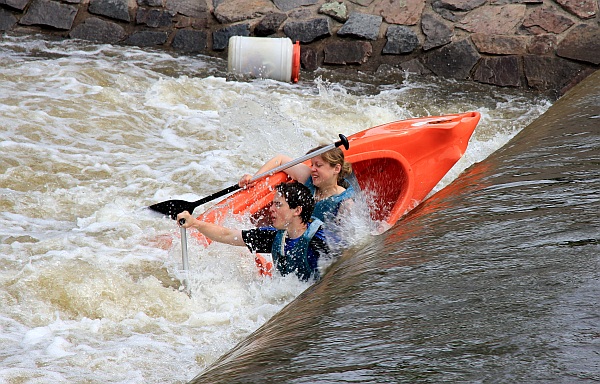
pixel 397 163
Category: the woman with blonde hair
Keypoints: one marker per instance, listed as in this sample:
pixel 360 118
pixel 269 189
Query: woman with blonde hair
pixel 325 177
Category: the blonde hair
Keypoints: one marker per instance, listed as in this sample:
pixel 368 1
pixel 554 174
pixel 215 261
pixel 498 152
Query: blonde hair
pixel 334 157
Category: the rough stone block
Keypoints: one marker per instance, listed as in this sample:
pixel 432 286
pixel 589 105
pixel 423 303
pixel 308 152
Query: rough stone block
pixel 415 66
pixel 7 20
pixel 97 30
pixel 361 26
pixel 460 5
pixel 584 9
pixel 436 31
pixel 189 40
pixel 154 18
pixel 547 19
pixel 232 11
pixel 309 58
pixel 400 40
pixel 503 71
pixel 288 5
pixel 542 44
pixel 545 73
pixel 270 24
pixel 50 13
pixel 192 8
pixel 362 3
pixel 490 19
pixel 150 3
pixel 336 10
pixel 309 30
pixel 581 43
pixel 221 36
pixel 403 12
pixel 453 60
pixel 500 44
pixel 347 52
pixel 115 9
pixel 147 38
pixel 15 4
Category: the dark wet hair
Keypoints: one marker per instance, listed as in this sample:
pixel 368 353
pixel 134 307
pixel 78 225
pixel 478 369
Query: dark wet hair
pixel 298 195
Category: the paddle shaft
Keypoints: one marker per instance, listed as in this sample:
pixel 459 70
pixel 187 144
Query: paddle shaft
pixel 184 259
pixel 343 141
pixel 174 207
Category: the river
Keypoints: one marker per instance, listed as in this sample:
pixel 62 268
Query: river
pixel 466 287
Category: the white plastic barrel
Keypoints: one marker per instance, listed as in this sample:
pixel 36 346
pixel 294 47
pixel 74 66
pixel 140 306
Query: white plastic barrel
pixel 264 57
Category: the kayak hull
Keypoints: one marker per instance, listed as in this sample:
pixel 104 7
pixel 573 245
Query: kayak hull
pixel 396 164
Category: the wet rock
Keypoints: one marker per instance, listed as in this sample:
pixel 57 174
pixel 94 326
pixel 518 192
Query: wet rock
pixel 147 38
pixel 115 9
pixel 503 71
pixel 460 5
pixel 584 9
pixel 362 26
pixel 98 30
pixel 336 10
pixel 403 12
pixel 309 58
pixel 270 24
pixel 288 5
pixel 221 36
pixel 500 44
pixel 500 20
pixel 188 40
pixel 415 66
pixel 192 22
pixel 400 40
pixel 7 20
pixel 362 3
pixel 542 44
pixel 15 4
pixel 192 8
pixel 546 20
pixel 309 30
pixel 437 33
pixel 505 2
pixel 348 52
pixel 447 14
pixel 150 3
pixel 565 30
pixel 232 11
pixel 300 14
pixel 50 13
pixel 454 60
pixel 546 73
pixel 582 43
pixel 154 18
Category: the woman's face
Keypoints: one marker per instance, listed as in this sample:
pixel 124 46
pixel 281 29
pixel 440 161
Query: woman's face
pixel 322 173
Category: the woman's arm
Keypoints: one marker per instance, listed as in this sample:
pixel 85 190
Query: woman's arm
pixel 299 172
pixel 212 231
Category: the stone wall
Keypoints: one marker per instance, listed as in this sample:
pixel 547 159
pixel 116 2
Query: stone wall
pixel 544 45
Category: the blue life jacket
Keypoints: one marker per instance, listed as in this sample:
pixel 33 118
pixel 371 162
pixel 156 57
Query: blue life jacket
pixel 327 209
pixel 292 255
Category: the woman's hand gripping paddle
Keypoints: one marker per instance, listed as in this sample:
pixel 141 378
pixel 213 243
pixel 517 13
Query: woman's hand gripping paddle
pixel 174 207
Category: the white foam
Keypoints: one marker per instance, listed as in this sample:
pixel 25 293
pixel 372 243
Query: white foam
pixel 94 133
